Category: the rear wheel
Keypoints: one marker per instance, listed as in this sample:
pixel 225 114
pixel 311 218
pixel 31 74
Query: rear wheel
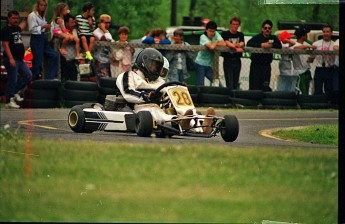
pixel 76 119
pixel 229 128
pixel 144 124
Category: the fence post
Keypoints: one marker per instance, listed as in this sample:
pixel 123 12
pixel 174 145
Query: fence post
pixel 215 65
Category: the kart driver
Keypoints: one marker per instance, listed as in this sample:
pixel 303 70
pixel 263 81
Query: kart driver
pixel 149 64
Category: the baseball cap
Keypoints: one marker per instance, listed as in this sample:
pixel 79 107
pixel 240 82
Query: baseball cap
pixel 300 31
pixel 285 35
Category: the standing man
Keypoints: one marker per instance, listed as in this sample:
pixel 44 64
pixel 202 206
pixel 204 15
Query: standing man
pixel 102 54
pixel 232 61
pixel 301 62
pixel 13 59
pixel 323 78
pixel 260 68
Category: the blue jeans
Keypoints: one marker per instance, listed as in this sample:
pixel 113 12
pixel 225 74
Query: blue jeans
pixel 14 84
pixel 178 76
pixel 201 72
pixel 40 47
pixel 287 83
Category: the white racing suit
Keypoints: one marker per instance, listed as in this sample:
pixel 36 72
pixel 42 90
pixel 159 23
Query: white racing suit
pixel 129 83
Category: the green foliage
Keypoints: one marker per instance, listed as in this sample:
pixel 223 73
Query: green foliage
pixel 83 181
pixel 142 15
pixel 322 134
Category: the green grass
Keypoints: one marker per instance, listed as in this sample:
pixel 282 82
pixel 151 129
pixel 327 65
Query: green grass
pixel 84 181
pixel 322 134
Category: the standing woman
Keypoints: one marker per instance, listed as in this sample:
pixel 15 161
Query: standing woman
pixel 39 42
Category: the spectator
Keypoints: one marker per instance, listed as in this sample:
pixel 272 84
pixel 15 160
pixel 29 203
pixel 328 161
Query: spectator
pixel 232 61
pixel 39 42
pixel 60 31
pixel 13 59
pixel 121 58
pixel 260 67
pixel 287 78
pixel 156 36
pixel 323 79
pixel 301 63
pixel 204 60
pixel 102 54
pixel 86 25
pixel 178 59
pixel 336 68
pixel 68 64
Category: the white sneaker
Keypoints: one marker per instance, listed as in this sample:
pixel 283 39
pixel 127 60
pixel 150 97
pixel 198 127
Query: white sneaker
pixel 12 104
pixel 18 98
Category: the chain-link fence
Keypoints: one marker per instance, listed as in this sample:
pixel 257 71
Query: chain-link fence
pixel 113 58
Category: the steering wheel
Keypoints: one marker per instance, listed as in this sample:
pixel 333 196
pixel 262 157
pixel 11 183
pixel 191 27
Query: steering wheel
pixel 156 92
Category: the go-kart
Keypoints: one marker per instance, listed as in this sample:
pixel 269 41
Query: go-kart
pixel 91 117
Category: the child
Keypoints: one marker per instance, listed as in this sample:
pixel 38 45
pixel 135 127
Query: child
pixel 86 24
pixel 60 31
pixel 121 59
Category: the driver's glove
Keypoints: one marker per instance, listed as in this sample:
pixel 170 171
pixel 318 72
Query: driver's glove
pixel 145 96
pixel 152 96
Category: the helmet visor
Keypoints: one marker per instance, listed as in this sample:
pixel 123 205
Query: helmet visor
pixel 154 67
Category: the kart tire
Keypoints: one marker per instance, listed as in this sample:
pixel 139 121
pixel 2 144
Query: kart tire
pixel 278 102
pixel 79 95
pixel 45 84
pixel 215 90
pixel 207 98
pixel 280 95
pixel 315 105
pixel 108 82
pixel 144 124
pixel 38 103
pixel 42 94
pixel 71 103
pixel 76 119
pixel 314 99
pixel 193 89
pixel 77 85
pixel 109 91
pixel 248 94
pixel 229 128
pixel 245 102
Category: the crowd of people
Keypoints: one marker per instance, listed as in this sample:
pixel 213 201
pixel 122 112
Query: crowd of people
pixel 82 31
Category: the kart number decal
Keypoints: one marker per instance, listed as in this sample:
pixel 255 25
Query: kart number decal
pixel 182 98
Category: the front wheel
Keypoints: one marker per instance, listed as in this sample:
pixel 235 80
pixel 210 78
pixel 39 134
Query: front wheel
pixel 76 119
pixel 144 124
pixel 229 128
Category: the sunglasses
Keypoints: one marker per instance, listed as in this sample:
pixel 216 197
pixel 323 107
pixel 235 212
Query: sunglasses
pixel 267 28
pixel 107 22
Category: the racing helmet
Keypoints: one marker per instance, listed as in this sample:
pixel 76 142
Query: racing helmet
pixel 150 62
pixel 165 68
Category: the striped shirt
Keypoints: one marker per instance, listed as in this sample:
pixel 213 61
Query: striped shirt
pixel 84 27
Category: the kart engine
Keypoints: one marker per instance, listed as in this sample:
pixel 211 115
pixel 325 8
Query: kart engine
pixel 114 103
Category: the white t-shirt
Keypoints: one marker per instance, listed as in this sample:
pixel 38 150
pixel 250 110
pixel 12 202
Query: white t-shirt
pixel 99 33
pixel 300 61
pixel 285 63
pixel 327 60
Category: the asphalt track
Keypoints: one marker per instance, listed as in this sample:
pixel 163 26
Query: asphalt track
pixel 255 127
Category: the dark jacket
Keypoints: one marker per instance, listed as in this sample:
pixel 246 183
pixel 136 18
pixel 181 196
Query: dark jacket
pixel 256 41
